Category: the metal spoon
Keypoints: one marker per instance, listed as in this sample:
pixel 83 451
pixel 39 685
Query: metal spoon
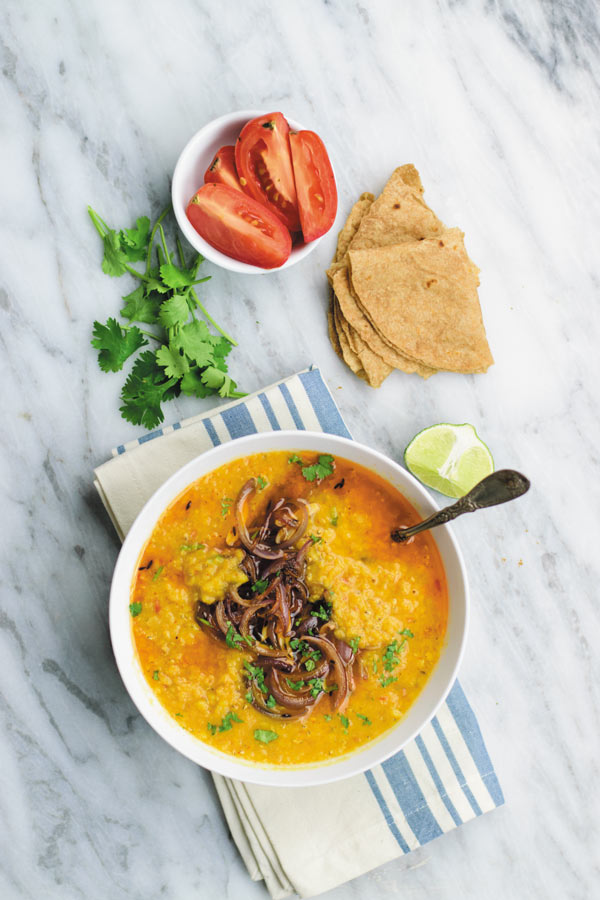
pixel 499 487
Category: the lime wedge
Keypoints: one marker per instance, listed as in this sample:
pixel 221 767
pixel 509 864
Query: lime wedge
pixel 449 458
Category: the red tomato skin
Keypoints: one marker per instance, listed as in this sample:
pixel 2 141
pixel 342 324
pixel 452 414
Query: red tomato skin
pixel 239 226
pixel 315 184
pixel 264 166
pixel 222 169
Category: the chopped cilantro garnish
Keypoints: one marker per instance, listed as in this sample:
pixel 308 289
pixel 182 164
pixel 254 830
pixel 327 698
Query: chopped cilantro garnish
pixel 233 640
pixel 309 665
pixel 345 722
pixel 264 736
pixel 259 586
pixel 407 632
pixel 190 548
pixel 365 719
pixel 315 538
pixel 205 622
pixel 256 674
pixel 385 682
pixel 295 685
pixel 390 657
pixel 327 717
pixel 225 505
pixel 294 458
pixel 157 573
pixel 271 701
pixel 334 517
pixel 321 469
pixel 155 675
pixel 316 686
pixel 354 644
pixel 249 696
pixel 226 721
pixel 262 482
pixel 322 610
pixel 135 608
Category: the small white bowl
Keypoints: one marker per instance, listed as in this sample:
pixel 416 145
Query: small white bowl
pixel 188 176
pixel 419 714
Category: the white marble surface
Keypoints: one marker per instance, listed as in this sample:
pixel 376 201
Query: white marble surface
pixel 497 103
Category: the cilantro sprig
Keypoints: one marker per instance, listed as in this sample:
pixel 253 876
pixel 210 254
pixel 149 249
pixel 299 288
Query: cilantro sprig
pixel 187 358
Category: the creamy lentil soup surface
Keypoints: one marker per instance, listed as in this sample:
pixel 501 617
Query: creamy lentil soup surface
pixel 387 600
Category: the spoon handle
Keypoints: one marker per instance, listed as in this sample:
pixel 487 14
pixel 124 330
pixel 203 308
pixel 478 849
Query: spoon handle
pixel 499 487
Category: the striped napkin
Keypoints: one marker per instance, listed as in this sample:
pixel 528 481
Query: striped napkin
pixel 309 840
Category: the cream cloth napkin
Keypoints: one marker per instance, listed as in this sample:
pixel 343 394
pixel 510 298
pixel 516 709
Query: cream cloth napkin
pixel 309 840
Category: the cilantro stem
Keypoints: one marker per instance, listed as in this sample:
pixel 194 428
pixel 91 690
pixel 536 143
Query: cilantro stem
pixel 164 242
pixel 180 252
pixel 100 226
pixel 135 272
pixel 210 318
pixel 141 330
pixel 164 213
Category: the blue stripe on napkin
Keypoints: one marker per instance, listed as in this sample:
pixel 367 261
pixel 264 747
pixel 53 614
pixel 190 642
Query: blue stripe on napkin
pixel 445 777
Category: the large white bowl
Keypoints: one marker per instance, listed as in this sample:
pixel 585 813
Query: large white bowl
pixel 426 704
pixel 188 176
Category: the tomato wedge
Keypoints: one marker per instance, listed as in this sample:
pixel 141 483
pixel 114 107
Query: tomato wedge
pixel 222 169
pixel 264 166
pixel 239 226
pixel 315 184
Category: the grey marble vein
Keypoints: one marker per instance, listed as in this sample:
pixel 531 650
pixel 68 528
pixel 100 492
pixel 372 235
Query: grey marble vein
pixel 497 102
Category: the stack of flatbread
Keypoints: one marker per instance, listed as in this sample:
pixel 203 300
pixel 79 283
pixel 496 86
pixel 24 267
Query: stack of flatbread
pixel 404 291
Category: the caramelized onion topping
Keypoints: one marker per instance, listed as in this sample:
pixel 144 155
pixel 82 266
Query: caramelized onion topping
pixel 295 661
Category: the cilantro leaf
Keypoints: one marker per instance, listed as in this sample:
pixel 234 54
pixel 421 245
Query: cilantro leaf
pixel 192 384
pixel 265 736
pixel 134 241
pixel 141 306
pixel 195 341
pixel 114 262
pixel 174 364
pixel 174 277
pixel 173 311
pixel 115 344
pixel 219 381
pixel 221 347
pixel 144 391
pixel 321 469
pixel 154 283
pixel 135 608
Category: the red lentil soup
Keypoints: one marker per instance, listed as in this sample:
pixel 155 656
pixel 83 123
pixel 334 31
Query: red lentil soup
pixel 387 600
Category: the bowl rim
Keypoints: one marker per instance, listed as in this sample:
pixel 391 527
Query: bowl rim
pixel 185 160
pixel 125 653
